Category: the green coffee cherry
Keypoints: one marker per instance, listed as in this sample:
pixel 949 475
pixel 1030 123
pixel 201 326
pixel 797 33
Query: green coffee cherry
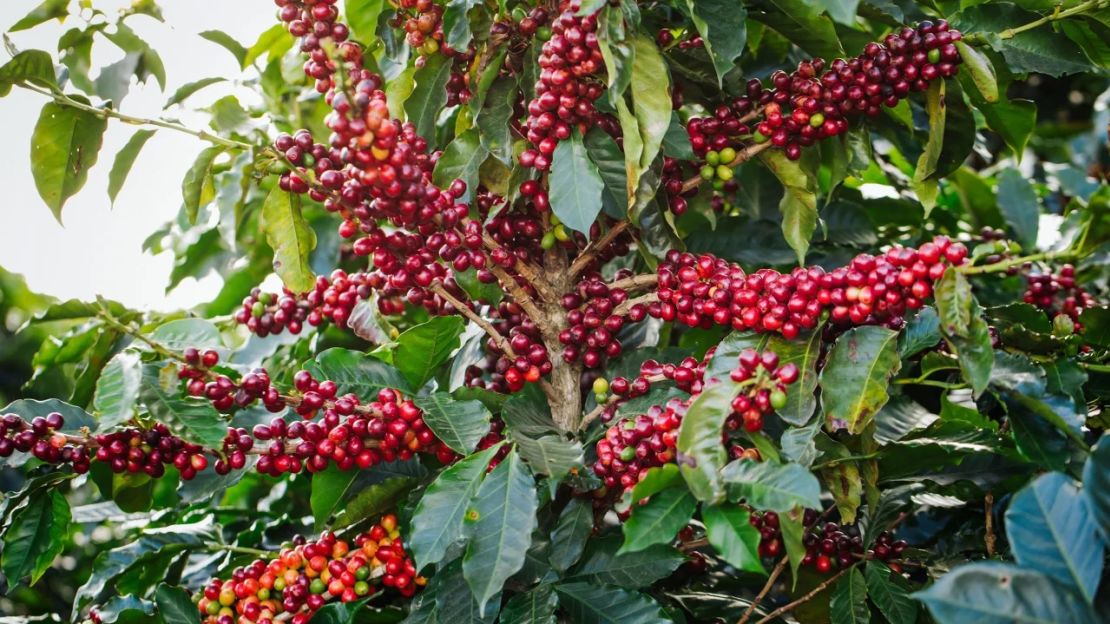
pixel 727 155
pixel 718 184
pixel 778 399
pixel 258 309
pixel 1062 325
pixel 548 240
pixel 759 137
pixel 318 586
pixel 561 233
pixel 543 33
pixel 817 120
pixel 628 453
pixel 724 172
pixel 712 158
pixel 934 55
pixel 708 172
pixel 601 386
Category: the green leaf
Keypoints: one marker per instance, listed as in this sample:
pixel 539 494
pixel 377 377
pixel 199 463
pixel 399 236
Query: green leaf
pixel 362 17
pixel 651 108
pixel 927 163
pixel 1096 485
pixel 568 539
pixel 1052 531
pixel 658 520
pixel 456 24
pixel 343 613
pixel 430 95
pixel 576 185
pixel 48 10
pixel 437 522
pixel 117 390
pixel 274 42
pixel 1017 199
pixel 64 146
pixel 964 329
pixel 655 480
pixel 799 200
pixel 770 486
pixel 459 424
pixel 184 333
pixel 1000 593
pixel 890 593
pixel 125 159
pixel 953 295
pixel 607 156
pixel 551 455
pixel 175 606
pixel 352 495
pixel 36 535
pixel 843 11
pixel 601 565
pixel 848 600
pixel 291 238
pixel 461 160
pixel 802 23
pixel 536 606
pixel 31 66
pixel 587 603
pixel 676 143
pixel 493 120
pixel 188 89
pixel 729 531
pixel 699 440
pixel 356 372
pixel 150 546
pixel 422 349
pixel 228 43
pixel 198 187
pixel 801 400
pixel 194 420
pixel 921 333
pixel 855 377
pixel 979 67
pixel 499 527
pixel 723 27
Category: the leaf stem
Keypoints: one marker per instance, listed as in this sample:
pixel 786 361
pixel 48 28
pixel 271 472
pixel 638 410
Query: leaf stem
pixel 241 550
pixel 809 596
pixel 1058 13
pixel 766 589
pixel 1004 265
pixel 107 113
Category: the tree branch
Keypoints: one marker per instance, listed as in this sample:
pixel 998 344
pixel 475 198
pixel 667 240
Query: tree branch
pixel 766 589
pixel 596 247
pixel 742 156
pixel 809 596
pixel 491 331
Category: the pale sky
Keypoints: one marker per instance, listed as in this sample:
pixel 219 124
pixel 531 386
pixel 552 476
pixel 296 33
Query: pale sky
pixel 98 251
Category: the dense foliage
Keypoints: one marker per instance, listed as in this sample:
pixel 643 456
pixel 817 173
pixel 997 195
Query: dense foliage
pixel 592 311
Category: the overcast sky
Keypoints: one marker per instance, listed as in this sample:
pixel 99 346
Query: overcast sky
pixel 98 250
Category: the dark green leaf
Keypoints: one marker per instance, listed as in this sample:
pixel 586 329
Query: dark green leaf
pixel 356 372
pixel 602 565
pixel 456 24
pixel 175 606
pixel 921 332
pixel 437 522
pixel 723 28
pixel 64 146
pixel 125 159
pixel 658 520
pixel 979 67
pixel 999 593
pixel 587 603
pixel 802 23
pixel 36 535
pixel 890 593
pixel 192 419
pixel 291 238
pixel 607 156
pixel 676 142
pixel 1096 485
pixel 551 455
pixel 493 120
pixel 184 333
pixel 770 486
pixel 700 451
pixel 1051 530
pixel 499 525
pixel 353 495
pixel 422 349
pixel 117 390
pixel 730 532
pixel 855 377
pixel 799 202
pixel 459 424
pixel 533 607
pixel 568 540
pixel 430 95
pixel 1017 199
pixel 461 160
pixel 576 185
pixel 848 600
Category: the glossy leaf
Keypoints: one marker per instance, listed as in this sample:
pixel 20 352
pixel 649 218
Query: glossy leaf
pixel 192 419
pixel 890 593
pixel 848 600
pixel 437 522
pixel 568 539
pixel 461 161
pixel 723 28
pixel 36 535
pixel 770 486
pixel 576 185
pixel 422 349
pixel 356 372
pixel 536 606
pixel 550 455
pixel 601 564
pixel 175 606
pixel 658 520
pixel 117 390
pixel 498 527
pixel 799 201
pixel 429 96
pixel 597 604
pixel 291 238
pixel 729 531
pixel 701 455
pixel 459 424
pixel 1017 199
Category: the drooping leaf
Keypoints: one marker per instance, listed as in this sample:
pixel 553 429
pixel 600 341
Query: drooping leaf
pixel 770 486
pixel 848 600
pixel 651 109
pixel 117 390
pixel 64 146
pixel 437 522
pixel 890 593
pixel 601 564
pixel 291 238
pixel 729 531
pixel 576 185
pixel 175 606
pixel 421 349
pixel 192 419
pixel 723 28
pixel 429 96
pixel 568 539
pixel 125 159
pixel 226 42
pixel 979 67
pixel 536 606
pixel 550 455
pixel 1017 200
pixel 352 495
pixel 1051 530
pixel 799 201
pixel 35 536
pixel 855 377
pixel 498 527
pixel 927 163
pixel 700 452
pixel 459 424
pixel 188 89
pixel 198 187
pixel 30 66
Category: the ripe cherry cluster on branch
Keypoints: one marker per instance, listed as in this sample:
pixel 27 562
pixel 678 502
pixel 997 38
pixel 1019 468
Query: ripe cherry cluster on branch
pixel 634 445
pixel 829 545
pixel 1058 293
pixel 814 102
pixel 307 575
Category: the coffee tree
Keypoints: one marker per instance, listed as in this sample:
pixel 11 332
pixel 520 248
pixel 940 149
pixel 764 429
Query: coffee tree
pixel 588 312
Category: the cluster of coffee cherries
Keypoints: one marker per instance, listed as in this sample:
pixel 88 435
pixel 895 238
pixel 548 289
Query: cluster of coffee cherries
pixel 1058 294
pixel 593 321
pixel 567 87
pixel 42 438
pixel 149 451
pixel 705 291
pixel 314 22
pixel 829 546
pixel 634 445
pixel 666 37
pixel 202 381
pixel 332 299
pixel 307 575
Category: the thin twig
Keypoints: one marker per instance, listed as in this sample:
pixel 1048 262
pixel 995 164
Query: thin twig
pixel 635 282
pixel 742 156
pixel 766 589
pixel 594 248
pixel 988 513
pixel 491 331
pixel 645 299
pixel 809 596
